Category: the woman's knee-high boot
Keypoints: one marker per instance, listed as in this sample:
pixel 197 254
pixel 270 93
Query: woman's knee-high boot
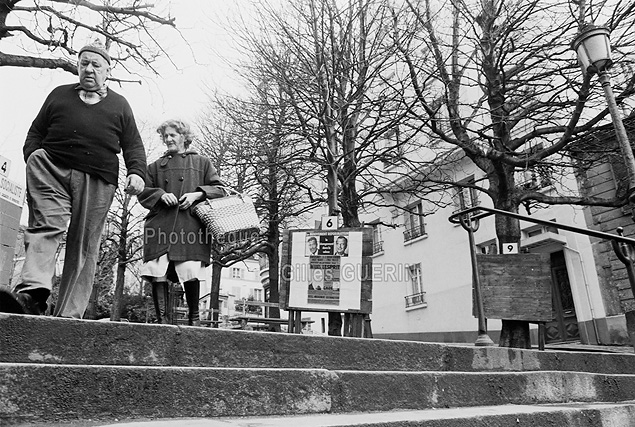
pixel 192 294
pixel 161 299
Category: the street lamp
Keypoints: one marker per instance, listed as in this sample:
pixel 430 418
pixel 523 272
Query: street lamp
pixel 593 46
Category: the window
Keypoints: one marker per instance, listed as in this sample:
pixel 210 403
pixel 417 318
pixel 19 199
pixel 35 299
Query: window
pixel 417 296
pixel 620 180
pixel 488 248
pixel 535 177
pixel 465 197
pixel 392 152
pixel 237 273
pixel 257 293
pixel 413 222
pixel 378 242
pixel 537 230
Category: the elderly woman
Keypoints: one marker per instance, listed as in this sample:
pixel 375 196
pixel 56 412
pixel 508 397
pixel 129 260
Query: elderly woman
pixel 176 245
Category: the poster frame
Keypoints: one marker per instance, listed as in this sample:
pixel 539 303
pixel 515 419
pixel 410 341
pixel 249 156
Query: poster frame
pixel 365 294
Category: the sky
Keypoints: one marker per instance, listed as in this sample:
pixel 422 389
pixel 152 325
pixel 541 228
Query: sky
pixel 179 92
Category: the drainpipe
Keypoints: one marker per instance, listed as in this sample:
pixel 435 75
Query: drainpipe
pixel 588 293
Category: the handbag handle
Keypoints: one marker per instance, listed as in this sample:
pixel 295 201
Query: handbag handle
pixel 231 192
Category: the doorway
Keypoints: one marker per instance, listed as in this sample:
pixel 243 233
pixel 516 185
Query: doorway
pixel 564 327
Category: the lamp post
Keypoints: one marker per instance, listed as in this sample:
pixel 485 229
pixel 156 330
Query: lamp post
pixel 592 44
pixel 593 47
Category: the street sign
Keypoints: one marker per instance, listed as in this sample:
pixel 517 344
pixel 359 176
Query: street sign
pixel 516 286
pixel 329 223
pixel 510 248
pixel 5 166
pixel 11 191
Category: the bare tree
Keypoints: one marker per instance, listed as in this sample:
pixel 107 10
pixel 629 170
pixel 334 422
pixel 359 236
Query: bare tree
pixel 332 67
pixel 128 235
pixel 245 139
pixel 496 82
pixel 104 277
pixel 335 63
pixel 50 33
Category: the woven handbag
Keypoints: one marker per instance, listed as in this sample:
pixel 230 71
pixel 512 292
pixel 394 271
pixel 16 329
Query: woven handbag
pixel 231 219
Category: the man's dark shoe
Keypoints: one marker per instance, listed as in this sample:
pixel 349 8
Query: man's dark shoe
pixel 17 302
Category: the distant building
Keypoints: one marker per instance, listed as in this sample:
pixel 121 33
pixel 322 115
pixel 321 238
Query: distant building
pixel 424 291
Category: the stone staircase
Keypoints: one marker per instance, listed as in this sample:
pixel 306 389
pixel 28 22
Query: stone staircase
pixel 56 372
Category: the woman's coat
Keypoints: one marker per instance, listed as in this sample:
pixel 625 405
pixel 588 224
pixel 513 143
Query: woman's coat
pixel 169 230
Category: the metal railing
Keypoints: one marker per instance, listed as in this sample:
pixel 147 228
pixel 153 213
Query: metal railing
pixel 415 299
pixel 479 212
pixel 414 232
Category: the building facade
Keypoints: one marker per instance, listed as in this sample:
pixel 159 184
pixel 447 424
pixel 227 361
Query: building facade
pixel 422 282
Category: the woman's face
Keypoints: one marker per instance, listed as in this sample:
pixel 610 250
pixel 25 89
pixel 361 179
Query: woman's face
pixel 174 141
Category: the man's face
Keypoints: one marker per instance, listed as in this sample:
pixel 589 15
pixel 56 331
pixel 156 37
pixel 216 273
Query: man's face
pixel 93 70
pixel 312 246
pixel 340 245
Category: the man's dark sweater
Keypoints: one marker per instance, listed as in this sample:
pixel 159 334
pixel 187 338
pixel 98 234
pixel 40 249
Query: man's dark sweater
pixel 88 137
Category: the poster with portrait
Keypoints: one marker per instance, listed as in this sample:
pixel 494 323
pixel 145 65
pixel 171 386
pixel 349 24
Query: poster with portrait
pixel 325 270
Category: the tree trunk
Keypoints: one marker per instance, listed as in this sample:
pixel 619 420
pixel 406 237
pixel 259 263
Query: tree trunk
pixel 122 259
pixel 274 282
pixel 514 333
pixel 115 315
pixel 214 294
pixel 91 310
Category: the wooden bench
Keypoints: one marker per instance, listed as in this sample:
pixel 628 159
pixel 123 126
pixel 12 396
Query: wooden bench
pixel 269 321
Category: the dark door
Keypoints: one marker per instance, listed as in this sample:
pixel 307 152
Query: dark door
pixel 565 324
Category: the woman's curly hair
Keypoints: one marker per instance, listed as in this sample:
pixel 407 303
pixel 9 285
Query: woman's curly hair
pixel 181 127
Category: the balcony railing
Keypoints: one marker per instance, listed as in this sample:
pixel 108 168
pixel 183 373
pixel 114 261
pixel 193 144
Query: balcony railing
pixel 414 232
pixel 416 299
pixel 378 247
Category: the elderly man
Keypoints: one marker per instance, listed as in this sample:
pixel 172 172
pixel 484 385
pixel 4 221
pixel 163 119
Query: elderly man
pixel 71 175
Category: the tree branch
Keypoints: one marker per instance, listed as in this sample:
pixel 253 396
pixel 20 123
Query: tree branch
pixel 35 62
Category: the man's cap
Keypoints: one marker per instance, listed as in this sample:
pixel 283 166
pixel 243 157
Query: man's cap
pixel 97 48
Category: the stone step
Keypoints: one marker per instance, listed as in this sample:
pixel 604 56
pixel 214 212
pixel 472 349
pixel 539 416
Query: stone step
pixel 60 392
pixel 572 414
pixel 39 339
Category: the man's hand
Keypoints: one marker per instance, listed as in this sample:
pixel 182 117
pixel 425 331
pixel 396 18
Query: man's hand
pixel 134 184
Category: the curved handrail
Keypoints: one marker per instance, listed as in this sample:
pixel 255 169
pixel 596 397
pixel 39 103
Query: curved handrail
pixel 483 212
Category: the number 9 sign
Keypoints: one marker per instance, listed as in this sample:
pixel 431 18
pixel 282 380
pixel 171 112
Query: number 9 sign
pixel 510 248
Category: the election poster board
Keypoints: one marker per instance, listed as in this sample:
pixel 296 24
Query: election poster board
pixel 327 270
pixel 11 200
pixel 516 287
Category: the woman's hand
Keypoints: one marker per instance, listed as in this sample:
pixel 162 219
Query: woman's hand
pixel 169 199
pixel 188 199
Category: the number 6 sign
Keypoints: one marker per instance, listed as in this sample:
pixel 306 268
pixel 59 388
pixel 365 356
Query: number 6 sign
pixel 329 223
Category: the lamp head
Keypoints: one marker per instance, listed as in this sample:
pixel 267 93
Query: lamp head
pixel 593 46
